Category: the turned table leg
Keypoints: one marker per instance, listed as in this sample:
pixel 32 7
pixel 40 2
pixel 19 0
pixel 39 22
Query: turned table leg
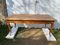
pixel 15 24
pixel 8 24
pixel 52 25
pixel 45 25
pixel 9 28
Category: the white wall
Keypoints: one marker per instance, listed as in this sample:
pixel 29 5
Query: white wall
pixel 52 7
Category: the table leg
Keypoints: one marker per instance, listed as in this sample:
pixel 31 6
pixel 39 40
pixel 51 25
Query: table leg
pixel 45 25
pixel 8 24
pixel 52 25
pixel 15 24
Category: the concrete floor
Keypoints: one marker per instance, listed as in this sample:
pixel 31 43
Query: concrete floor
pixel 30 37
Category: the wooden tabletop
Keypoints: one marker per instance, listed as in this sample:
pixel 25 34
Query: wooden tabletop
pixel 41 17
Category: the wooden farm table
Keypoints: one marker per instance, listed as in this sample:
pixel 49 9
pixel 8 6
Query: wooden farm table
pixel 30 19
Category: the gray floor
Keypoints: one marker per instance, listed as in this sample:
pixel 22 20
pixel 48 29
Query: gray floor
pixel 30 37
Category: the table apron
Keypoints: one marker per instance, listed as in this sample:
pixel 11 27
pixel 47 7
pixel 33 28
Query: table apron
pixel 31 22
